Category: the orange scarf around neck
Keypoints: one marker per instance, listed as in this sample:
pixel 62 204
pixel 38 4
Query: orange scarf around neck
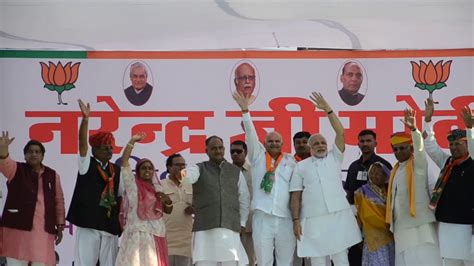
pixel 411 190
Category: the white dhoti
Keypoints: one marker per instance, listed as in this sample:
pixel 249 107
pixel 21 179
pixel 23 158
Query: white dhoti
pixel 94 245
pixel 218 245
pixel 455 241
pixel 424 254
pixel 328 234
pixel 417 246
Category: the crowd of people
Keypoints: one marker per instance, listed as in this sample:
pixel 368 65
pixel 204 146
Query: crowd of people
pixel 265 207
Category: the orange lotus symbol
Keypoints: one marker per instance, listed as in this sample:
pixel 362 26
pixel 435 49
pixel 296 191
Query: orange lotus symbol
pixel 59 78
pixel 429 76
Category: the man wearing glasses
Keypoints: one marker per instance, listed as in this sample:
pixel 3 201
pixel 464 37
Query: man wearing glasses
pixel 452 199
pixel 410 219
pixel 238 153
pixel 271 172
pixel 179 222
pixel 245 81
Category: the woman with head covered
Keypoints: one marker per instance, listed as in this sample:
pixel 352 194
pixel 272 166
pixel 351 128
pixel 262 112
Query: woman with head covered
pixel 370 200
pixel 143 240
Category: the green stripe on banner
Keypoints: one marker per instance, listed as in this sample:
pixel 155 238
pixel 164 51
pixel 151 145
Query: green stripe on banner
pixel 42 54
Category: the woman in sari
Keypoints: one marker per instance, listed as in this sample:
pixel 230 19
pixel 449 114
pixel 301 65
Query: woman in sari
pixel 370 200
pixel 143 240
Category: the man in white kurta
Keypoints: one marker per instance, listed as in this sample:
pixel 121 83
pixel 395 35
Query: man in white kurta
pixel 219 245
pixel 326 225
pixel 454 210
pixel 412 222
pixel 271 226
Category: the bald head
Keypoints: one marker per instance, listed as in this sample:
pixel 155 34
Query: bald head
pixel 273 143
pixel 244 68
pixel 245 79
pixel 138 76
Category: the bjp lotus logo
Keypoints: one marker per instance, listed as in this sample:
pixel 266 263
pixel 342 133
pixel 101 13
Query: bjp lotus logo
pixel 429 76
pixel 59 78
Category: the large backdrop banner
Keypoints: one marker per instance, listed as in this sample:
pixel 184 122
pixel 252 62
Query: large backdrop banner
pixel 181 98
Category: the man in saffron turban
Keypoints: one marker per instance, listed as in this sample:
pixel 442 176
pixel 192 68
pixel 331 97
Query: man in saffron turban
pixel 94 206
pixel 411 221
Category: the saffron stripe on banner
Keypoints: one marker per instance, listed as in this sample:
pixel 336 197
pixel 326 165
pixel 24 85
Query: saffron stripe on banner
pixel 305 54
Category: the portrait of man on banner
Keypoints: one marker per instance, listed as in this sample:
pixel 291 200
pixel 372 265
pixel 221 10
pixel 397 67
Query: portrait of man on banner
pixel 139 92
pixel 352 81
pixel 245 79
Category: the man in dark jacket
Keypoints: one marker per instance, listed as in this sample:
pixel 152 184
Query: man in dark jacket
pixel 94 206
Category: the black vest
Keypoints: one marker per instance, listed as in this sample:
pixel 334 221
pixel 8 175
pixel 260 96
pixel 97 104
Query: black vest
pixel 84 210
pixel 21 200
pixel 456 204
pixel 216 197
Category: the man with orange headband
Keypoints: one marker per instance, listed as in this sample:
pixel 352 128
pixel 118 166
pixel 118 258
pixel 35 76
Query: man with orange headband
pixel 271 172
pixel 452 198
pixel 94 206
pixel 411 221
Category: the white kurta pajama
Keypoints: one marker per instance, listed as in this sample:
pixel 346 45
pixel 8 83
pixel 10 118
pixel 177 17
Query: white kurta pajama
pixel 455 240
pixel 416 241
pixel 272 226
pixel 328 224
pixel 220 245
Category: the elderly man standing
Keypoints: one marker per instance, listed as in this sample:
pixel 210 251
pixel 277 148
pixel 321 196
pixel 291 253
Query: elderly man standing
pixel 221 206
pixel 326 225
pixel 140 91
pixel 94 207
pixel 271 172
pixel 33 216
pixel 245 81
pixel 411 221
pixel 179 222
pixel 453 198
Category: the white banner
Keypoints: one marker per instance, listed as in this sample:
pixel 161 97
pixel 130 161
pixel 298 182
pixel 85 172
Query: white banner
pixel 191 99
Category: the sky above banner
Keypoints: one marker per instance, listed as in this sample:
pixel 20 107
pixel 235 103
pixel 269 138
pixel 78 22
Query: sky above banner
pixel 226 24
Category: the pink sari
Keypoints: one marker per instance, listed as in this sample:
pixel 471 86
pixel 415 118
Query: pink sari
pixel 149 208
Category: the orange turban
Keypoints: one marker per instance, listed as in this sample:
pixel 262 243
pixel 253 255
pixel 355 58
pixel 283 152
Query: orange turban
pixel 401 138
pixel 101 138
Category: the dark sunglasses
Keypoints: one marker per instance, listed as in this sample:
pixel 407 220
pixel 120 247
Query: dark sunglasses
pixel 238 151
